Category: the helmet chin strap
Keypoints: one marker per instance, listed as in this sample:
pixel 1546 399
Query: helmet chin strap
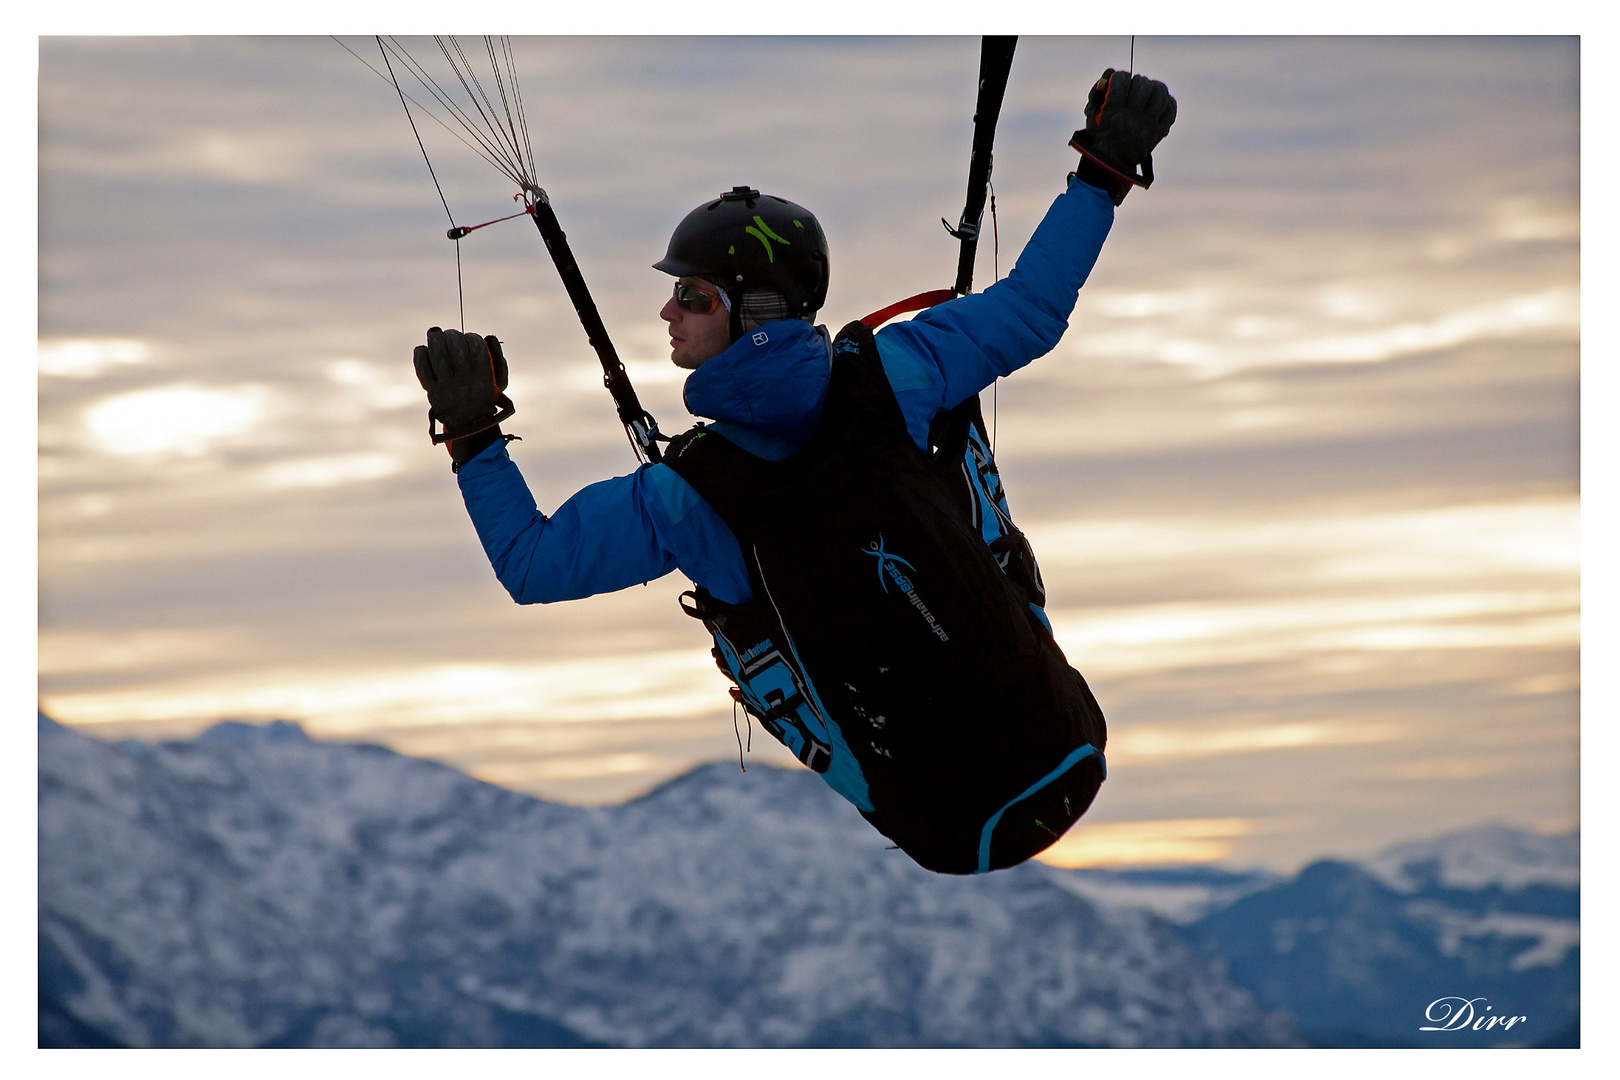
pixel 736 314
pixel 732 298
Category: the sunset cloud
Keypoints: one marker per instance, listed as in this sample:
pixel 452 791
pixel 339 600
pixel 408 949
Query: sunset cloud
pixel 175 420
pixel 1130 843
pixel 329 471
pixel 85 358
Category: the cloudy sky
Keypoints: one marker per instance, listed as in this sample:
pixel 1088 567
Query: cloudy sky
pixel 1303 475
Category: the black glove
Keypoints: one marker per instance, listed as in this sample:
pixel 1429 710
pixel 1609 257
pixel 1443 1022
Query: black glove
pixel 1126 117
pixel 465 379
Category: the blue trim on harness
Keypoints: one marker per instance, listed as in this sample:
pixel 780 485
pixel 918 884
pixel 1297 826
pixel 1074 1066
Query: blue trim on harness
pixel 1075 756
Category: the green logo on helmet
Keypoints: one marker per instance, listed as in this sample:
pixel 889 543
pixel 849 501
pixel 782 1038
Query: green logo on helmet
pixel 761 233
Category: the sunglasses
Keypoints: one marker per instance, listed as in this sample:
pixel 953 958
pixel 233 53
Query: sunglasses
pixel 696 299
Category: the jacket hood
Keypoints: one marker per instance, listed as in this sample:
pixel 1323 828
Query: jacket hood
pixel 772 381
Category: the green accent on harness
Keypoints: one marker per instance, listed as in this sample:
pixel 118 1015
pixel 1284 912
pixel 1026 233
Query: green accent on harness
pixel 1076 755
pixel 798 224
pixel 732 250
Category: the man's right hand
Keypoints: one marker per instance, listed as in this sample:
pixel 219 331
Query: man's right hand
pixel 465 379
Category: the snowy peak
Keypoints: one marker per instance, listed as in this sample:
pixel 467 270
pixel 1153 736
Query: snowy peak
pixel 1359 959
pixel 238 733
pixel 1482 857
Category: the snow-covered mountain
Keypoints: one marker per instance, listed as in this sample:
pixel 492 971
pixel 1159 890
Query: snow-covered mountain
pixel 1480 858
pixel 252 887
pixel 1368 955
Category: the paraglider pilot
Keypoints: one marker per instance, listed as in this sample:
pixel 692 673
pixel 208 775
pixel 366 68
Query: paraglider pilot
pixel 839 512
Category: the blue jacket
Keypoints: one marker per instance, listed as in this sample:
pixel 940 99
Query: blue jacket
pixel 765 393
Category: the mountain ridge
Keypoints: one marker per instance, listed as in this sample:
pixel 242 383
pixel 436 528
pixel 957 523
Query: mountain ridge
pixel 255 887
pixel 251 887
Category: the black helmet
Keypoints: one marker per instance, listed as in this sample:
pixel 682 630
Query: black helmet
pixel 745 241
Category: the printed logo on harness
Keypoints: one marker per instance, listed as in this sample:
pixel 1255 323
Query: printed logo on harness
pixel 760 338
pixel 889 570
pixel 757 650
pixel 690 442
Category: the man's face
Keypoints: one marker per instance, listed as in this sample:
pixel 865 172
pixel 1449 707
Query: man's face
pixel 695 337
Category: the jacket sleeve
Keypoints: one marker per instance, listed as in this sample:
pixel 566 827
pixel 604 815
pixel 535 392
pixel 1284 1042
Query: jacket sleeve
pixel 950 352
pixel 620 532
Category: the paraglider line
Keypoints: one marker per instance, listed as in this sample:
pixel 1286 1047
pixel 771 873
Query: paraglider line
pixel 461 296
pixel 425 110
pixel 461 299
pixel 395 80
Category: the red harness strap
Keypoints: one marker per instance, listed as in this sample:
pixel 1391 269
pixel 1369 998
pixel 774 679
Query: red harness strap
pixel 911 303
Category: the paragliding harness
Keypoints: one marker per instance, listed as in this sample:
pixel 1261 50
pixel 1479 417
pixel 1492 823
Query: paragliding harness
pixel 896 642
